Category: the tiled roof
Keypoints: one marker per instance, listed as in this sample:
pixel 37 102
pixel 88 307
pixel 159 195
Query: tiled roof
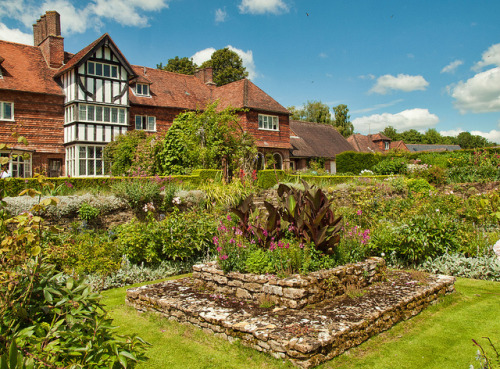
pixel 398 145
pixel 171 90
pixel 24 69
pixel 422 147
pixel 362 143
pixel 316 140
pixel 245 94
pixel 379 137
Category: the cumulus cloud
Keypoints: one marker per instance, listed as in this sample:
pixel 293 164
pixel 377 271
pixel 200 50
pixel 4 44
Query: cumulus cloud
pixel 419 119
pixel 78 19
pixel 246 56
pixel 15 35
pixel 450 68
pixel 493 135
pixel 220 15
pixel 452 132
pixel 402 82
pixel 478 94
pixel 263 6
pixel 489 57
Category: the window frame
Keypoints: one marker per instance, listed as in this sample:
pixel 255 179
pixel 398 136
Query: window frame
pixel 84 163
pixel 2 110
pixel 17 161
pixel 263 122
pixel 139 89
pixel 146 121
pixel 93 67
pixel 102 112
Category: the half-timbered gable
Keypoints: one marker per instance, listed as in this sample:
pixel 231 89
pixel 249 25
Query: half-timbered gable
pixel 96 85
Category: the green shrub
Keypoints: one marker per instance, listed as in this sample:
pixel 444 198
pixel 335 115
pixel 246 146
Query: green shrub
pixel 87 212
pixel 391 166
pixel 419 185
pixel 138 192
pixel 180 236
pixel 481 267
pixel 267 178
pixel 355 162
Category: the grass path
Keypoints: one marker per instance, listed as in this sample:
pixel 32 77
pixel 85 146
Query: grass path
pixel 439 337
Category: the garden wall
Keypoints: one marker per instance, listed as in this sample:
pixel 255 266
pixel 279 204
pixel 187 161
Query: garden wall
pixel 293 292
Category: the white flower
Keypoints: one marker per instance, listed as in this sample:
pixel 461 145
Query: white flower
pixel 176 200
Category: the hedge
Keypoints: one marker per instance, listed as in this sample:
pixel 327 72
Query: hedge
pixel 266 178
pixel 355 162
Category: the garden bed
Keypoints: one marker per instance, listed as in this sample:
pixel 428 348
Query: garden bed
pixel 306 337
pixel 293 292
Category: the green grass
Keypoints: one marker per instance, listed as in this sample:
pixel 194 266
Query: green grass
pixel 439 337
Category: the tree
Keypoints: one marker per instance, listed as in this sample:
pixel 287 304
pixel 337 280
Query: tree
pixel 203 140
pixel 412 136
pixel 179 65
pixel 313 111
pixel 227 67
pixel 468 141
pixel 432 137
pixel 342 122
pixel 392 133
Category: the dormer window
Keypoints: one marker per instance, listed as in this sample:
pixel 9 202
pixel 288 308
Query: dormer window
pixel 141 89
pixel 101 69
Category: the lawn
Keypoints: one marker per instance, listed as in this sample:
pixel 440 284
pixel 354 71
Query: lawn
pixel 440 337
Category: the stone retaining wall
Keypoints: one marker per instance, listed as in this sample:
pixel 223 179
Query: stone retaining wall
pixel 293 292
pixel 306 337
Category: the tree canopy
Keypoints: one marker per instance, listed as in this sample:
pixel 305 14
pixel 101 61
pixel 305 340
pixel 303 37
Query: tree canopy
pixel 179 65
pixel 313 111
pixel 227 67
pixel 342 120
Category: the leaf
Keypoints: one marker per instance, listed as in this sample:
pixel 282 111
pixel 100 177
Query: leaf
pixel 47 295
pixel 35 251
pixel 13 354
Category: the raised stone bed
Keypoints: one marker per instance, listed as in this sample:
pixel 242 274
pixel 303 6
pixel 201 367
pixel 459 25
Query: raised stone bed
pixel 293 292
pixel 306 337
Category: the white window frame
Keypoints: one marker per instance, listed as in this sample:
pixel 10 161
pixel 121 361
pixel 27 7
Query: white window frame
pixel 146 123
pixel 269 122
pixel 17 163
pixel 3 104
pixel 99 69
pixel 84 161
pixel 142 89
pixel 108 114
pixel 386 145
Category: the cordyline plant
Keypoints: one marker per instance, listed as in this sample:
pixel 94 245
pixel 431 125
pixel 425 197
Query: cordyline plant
pixel 307 213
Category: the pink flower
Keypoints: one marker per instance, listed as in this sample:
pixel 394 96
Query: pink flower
pixel 359 212
pixel 223 257
pixel 229 217
pixel 216 240
pixel 232 240
pixel 219 249
pixel 301 245
pixel 264 232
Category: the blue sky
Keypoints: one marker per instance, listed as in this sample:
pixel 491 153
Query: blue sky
pixel 410 64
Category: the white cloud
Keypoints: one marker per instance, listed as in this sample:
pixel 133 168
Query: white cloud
pixel 478 94
pixel 419 119
pixel 15 35
pixel 78 20
pixel 450 68
pixel 402 82
pixel 246 56
pixel 493 135
pixel 263 6
pixel 367 76
pixel 220 15
pixel 452 132
pixel 323 55
pixel 489 57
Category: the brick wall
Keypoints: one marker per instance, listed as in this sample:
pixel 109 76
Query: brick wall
pixel 164 116
pixel 40 119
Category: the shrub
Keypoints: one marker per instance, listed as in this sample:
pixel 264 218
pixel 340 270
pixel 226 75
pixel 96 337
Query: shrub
pixel 87 212
pixel 391 166
pixel 138 192
pixel 419 185
pixel 482 267
pixel 355 162
pixel 269 177
pixel 180 236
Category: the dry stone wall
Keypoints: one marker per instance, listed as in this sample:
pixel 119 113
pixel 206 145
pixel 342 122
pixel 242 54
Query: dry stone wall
pixel 293 292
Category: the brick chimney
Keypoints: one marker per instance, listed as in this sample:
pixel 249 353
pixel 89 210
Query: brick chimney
pixel 205 75
pixel 47 36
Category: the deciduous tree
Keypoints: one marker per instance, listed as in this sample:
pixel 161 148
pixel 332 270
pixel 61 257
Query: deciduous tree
pixel 179 65
pixel 227 66
pixel 342 120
